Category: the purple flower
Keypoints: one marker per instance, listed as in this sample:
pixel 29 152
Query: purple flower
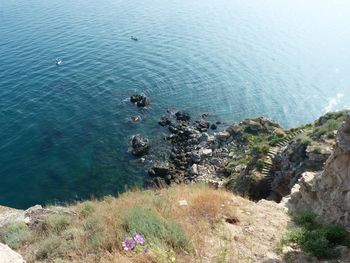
pixel 139 239
pixel 128 244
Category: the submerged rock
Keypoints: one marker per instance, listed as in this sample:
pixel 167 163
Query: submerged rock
pixel 135 118
pixel 140 146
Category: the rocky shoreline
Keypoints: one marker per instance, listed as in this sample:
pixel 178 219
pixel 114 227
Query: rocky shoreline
pixel 254 158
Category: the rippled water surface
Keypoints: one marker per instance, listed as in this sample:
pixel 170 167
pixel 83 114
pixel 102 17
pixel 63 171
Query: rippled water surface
pixel 64 129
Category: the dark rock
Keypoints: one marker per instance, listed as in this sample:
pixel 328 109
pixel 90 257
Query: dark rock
pixel 195 157
pixel 140 145
pixel 213 127
pixel 164 121
pixel 160 183
pixel 141 101
pixel 172 129
pixel 204 124
pixel 160 169
pixel 182 116
pixel 218 122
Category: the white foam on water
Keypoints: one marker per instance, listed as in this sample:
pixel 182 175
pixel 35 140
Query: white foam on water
pixel 333 102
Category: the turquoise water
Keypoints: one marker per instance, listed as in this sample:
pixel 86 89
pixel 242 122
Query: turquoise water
pixel 64 129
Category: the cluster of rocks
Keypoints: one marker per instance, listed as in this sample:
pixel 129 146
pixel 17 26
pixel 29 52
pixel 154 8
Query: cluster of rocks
pixel 140 100
pixel 198 153
pixel 195 152
pixel 195 155
pixel 139 145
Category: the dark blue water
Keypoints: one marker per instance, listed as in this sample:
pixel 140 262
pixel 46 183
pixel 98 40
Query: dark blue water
pixel 64 129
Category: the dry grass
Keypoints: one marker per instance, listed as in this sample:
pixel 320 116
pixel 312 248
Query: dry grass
pixel 196 232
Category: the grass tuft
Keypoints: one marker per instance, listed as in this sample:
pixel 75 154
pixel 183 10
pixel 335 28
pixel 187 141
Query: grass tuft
pixel 86 210
pixel 155 229
pixel 16 234
pixel 58 223
pixel 48 247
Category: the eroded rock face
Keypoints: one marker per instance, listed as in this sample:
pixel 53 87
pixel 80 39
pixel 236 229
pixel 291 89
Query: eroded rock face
pixel 328 193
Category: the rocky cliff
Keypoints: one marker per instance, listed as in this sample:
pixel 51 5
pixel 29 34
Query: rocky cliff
pixel 328 192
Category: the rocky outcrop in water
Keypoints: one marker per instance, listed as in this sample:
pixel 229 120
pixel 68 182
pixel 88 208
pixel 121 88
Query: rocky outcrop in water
pixel 328 192
pixel 140 100
pixel 139 145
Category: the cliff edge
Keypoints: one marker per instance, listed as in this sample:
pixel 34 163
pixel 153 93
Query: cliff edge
pixel 327 193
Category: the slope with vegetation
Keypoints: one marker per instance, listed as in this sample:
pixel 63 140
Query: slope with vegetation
pixel 179 224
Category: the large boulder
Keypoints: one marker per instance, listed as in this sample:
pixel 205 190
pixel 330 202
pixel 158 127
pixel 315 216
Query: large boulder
pixel 10 215
pixel 140 145
pixel 7 255
pixel 35 216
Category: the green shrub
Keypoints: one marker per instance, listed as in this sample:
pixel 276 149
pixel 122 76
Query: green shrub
pixel 58 223
pixel 155 229
pixel 303 139
pixel 16 234
pixel 274 140
pixel 306 219
pixel 315 238
pixel 86 210
pixel 318 245
pixel 260 165
pixel 296 236
pixel 261 148
pixel 336 234
pixel 327 128
pixel 48 247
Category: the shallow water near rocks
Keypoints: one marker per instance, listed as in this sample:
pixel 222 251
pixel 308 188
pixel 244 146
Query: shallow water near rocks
pixel 64 129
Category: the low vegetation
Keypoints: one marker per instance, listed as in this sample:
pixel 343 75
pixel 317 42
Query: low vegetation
pixel 16 234
pixel 328 124
pixel 186 223
pixel 319 240
pixel 96 230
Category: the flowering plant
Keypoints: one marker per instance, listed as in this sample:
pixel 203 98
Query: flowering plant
pixel 131 243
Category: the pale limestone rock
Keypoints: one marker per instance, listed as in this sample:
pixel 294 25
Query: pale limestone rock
pixel 7 255
pixel 327 193
pixel 10 215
